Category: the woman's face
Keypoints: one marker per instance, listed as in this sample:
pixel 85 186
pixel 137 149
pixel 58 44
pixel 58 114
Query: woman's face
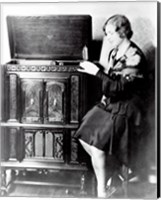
pixel 112 36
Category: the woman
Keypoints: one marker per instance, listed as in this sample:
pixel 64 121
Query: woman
pixel 105 127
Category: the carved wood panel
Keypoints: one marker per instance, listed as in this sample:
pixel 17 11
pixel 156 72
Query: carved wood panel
pixel 32 90
pixel 58 146
pixel 44 100
pixel 29 144
pixel 55 101
pixel 44 144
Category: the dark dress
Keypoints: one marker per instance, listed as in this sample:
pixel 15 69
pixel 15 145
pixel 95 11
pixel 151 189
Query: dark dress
pixel 111 124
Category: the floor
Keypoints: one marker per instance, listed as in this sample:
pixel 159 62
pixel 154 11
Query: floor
pixel 137 190
pixel 142 190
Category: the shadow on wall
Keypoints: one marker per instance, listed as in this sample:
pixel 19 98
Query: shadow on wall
pixel 144 36
pixel 150 103
pixel 147 141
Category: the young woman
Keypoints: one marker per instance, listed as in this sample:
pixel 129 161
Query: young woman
pixel 107 126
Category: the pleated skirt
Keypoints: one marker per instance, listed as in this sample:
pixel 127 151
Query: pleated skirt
pixel 99 126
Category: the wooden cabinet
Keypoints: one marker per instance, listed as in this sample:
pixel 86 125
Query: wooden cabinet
pixel 42 111
pixel 44 98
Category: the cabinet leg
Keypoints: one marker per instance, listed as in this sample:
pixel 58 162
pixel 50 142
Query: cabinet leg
pixel 3 183
pixel 12 176
pixel 125 188
pixel 82 189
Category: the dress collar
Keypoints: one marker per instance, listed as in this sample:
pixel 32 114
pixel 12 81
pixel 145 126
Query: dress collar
pixel 122 48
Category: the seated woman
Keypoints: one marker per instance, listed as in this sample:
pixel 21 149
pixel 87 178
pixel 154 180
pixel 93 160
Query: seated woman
pixel 105 127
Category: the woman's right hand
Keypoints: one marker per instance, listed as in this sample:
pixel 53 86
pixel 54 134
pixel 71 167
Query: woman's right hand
pixel 88 67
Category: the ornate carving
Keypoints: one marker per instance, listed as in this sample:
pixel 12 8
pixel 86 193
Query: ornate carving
pixel 58 146
pixel 24 172
pixel 41 68
pixel 74 98
pixel 40 171
pixel 46 172
pixel 29 144
pixel 74 149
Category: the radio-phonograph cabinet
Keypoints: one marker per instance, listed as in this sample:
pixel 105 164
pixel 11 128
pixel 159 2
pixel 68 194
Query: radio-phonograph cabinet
pixel 44 98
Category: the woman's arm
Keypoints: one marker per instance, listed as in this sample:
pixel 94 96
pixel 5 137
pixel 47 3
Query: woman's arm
pixel 127 80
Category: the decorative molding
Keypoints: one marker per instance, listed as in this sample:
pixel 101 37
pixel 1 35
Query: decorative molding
pixel 41 68
pixel 74 149
pixel 13 97
pixel 38 126
pixel 74 99
pixel 58 146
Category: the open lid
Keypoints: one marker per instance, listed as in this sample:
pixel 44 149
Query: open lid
pixel 55 37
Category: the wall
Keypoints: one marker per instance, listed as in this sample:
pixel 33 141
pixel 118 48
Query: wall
pixel 142 15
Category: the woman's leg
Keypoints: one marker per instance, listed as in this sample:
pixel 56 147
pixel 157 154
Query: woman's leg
pixel 99 164
pixel 86 146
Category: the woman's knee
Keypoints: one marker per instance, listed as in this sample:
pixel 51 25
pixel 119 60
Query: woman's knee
pixel 86 146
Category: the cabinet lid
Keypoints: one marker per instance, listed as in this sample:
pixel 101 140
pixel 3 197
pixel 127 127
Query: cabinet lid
pixel 55 37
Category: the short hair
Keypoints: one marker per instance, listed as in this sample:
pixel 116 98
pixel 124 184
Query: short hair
pixel 122 24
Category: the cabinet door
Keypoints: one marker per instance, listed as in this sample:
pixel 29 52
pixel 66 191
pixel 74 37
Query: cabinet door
pixel 55 101
pixel 44 144
pixel 32 91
